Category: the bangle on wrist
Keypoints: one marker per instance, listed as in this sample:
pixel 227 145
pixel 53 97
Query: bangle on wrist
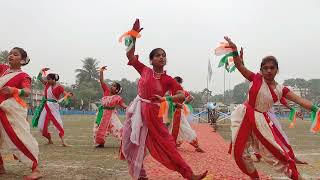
pixel 21 92
pixel 235 53
pixel 169 98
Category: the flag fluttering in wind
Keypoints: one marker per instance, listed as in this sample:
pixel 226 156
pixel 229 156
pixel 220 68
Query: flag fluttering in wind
pixel 128 38
pixel 227 59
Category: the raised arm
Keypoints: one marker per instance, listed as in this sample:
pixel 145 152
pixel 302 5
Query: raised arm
pixel 101 74
pixel 135 29
pixel 104 86
pixel 238 60
pixel 40 78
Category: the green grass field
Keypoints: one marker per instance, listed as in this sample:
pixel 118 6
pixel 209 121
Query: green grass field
pixel 83 161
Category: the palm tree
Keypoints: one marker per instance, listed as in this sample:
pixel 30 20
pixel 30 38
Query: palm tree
pixel 89 70
pixel 3 56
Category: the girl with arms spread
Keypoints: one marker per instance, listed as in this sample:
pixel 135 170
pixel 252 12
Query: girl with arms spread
pixel 251 124
pixel 48 110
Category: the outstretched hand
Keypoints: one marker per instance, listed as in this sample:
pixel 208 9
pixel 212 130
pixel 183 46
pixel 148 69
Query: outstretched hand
pixel 103 68
pixel 136 26
pixel 231 45
pixel 300 115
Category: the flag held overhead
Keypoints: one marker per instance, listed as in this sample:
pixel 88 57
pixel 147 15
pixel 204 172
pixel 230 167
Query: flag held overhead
pixel 227 60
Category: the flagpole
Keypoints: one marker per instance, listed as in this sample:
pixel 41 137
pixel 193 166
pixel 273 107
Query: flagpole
pixel 208 91
pixel 224 87
pixel 207 88
pixel 208 81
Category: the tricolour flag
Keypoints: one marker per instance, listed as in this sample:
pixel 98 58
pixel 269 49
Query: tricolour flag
pixel 227 60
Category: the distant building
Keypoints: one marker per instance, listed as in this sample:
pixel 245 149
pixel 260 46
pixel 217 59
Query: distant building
pixel 34 99
pixel 282 110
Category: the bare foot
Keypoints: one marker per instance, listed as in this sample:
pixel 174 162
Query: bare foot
pixel 49 142
pixel 298 161
pixel 100 146
pixel 35 175
pixel 200 150
pixel 143 178
pixel 65 145
pixel 200 176
pixel 2 170
pixel 301 178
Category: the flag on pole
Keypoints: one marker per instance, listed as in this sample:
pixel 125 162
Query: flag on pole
pixel 209 71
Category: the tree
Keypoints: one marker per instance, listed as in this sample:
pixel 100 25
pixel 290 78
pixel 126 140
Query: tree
pixel 228 96
pixel 301 84
pixel 36 84
pixel 218 98
pixel 3 56
pixel 315 90
pixel 197 99
pixel 89 92
pixel 240 92
pixel 87 87
pixel 89 70
pixel 129 90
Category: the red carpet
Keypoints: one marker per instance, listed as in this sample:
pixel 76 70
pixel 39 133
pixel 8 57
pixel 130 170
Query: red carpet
pixel 216 159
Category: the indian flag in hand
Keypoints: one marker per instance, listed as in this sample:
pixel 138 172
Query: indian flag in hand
pixel 222 49
pixel 227 60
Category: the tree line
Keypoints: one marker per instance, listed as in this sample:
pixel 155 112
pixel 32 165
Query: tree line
pixel 87 88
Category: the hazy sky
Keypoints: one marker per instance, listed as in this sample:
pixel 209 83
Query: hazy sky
pixel 59 33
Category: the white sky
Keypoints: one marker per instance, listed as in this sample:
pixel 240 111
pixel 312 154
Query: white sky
pixel 59 33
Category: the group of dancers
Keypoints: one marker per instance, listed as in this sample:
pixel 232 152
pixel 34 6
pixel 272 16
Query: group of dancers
pixel 156 120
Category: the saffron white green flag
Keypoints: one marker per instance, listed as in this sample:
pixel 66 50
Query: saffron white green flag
pixel 227 59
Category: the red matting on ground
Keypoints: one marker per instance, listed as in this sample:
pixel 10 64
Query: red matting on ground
pixel 216 159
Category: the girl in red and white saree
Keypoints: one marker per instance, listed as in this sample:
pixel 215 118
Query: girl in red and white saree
pixel 15 135
pixel 143 129
pixel 48 110
pixel 251 124
pixel 180 128
pixel 107 121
